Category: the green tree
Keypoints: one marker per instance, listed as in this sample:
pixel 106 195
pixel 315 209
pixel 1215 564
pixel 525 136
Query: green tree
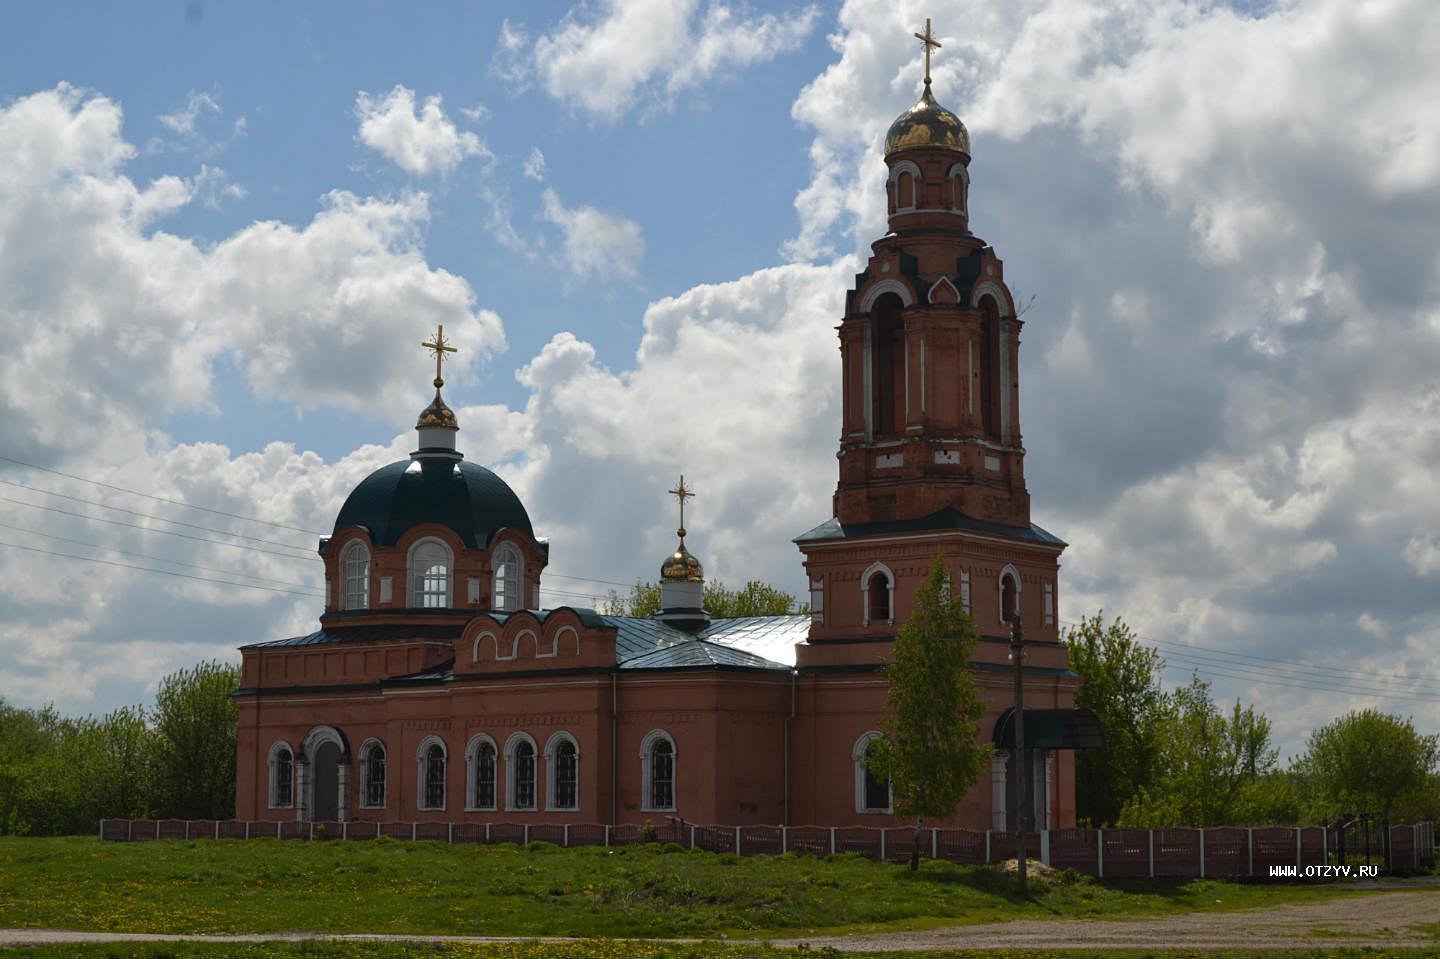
pixel 754 599
pixel 932 752
pixel 1120 684
pixel 1368 761
pixel 194 726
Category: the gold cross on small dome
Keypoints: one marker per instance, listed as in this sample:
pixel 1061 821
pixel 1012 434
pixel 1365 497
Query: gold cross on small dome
pixel 930 42
pixel 439 346
pixel 682 493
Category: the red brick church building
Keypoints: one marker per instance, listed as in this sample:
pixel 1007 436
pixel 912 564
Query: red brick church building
pixel 435 689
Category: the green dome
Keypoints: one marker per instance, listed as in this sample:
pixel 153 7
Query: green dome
pixel 467 498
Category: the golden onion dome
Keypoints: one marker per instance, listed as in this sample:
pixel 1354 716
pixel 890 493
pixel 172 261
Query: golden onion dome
pixel 927 125
pixel 681 565
pixel 437 415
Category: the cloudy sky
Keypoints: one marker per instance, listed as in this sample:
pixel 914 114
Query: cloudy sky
pixel 225 229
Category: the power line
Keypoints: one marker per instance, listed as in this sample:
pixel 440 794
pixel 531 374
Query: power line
pixel 163 572
pixel 131 512
pixel 1219 671
pixel 151 529
pixel 158 559
pixel 159 499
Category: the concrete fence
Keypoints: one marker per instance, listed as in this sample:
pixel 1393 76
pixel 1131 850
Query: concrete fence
pixel 1221 853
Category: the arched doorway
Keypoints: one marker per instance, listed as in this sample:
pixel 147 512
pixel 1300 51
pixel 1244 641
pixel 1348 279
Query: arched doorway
pixel 325 766
pixel 325 789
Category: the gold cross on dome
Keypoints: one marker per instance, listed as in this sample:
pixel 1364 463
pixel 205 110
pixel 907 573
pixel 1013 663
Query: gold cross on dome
pixel 439 346
pixel 682 493
pixel 930 42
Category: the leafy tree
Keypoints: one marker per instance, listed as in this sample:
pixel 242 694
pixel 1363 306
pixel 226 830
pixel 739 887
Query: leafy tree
pixel 1368 761
pixel 754 599
pixel 194 723
pixel 1121 685
pixel 932 752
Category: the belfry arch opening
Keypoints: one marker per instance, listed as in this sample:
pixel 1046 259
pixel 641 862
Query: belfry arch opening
pixel 888 375
pixel 990 367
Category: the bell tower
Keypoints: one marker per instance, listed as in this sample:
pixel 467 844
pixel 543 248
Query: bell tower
pixel 929 346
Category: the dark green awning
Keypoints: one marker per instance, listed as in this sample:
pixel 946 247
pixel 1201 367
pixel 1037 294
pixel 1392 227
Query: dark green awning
pixel 1051 729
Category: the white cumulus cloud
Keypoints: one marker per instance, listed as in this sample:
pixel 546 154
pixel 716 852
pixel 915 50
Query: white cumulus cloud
pixel 596 244
pixel 419 141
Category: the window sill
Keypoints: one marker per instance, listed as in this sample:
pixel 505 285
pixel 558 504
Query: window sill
pixel 482 809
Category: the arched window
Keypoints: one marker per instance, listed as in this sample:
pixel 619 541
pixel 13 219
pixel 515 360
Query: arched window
pixel 282 776
pixel 1009 594
pixel 482 773
pixel 355 576
pixel 432 774
pixel 657 771
pixel 520 772
pixel 888 352
pixel 562 772
pixel 959 187
pixel 430 575
pixel 990 367
pixel 872 794
pixel 372 775
pixel 879 586
pixel 906 199
pixel 507 594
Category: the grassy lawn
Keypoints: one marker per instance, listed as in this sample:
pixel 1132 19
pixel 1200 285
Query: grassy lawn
pixel 382 886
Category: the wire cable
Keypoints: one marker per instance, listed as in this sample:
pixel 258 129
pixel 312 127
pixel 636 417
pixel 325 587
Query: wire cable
pixel 163 572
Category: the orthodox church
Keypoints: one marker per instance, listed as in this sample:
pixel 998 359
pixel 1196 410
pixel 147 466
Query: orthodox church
pixel 435 689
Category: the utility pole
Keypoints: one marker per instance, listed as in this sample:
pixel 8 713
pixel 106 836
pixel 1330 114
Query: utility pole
pixel 1017 657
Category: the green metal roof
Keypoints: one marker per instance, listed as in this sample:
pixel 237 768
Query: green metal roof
pixel 465 497
pixel 948 518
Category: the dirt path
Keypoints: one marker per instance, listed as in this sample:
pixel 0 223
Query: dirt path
pixel 1379 919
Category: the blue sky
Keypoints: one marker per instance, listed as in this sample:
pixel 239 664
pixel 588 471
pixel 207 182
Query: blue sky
pixel 225 229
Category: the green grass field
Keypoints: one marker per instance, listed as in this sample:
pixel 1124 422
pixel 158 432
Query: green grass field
pixel 264 886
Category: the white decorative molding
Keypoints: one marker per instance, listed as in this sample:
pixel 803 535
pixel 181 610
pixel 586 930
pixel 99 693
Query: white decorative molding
pixel 992 463
pixel 865 577
pixel 883 287
pixel 387 589
pixel 947 457
pixel 887 461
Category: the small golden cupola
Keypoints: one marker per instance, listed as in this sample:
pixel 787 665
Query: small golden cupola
pixel 682 578
pixel 927 125
pixel 437 425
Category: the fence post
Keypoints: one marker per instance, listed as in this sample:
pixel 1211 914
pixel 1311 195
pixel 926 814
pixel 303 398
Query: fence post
pixel 1202 853
pixel 130 831
pixel 987 847
pixel 247 829
pixel 1324 846
pixel 1415 847
pixel 1250 843
pixel 487 834
pixel 567 836
pixel 217 829
pixel 692 835
pixel 882 843
pixel 784 839
pixel 832 840
pixel 1045 846
pixel 450 834
pixel 934 843
pixel 312 830
pixel 607 833
pixel 280 830
pixel 157 829
pixel 525 835
pixel 187 829
pixel 1100 854
pixel 1299 858
pixel 1152 854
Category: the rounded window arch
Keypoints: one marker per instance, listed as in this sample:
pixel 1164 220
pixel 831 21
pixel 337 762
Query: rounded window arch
pixel 430 566
pixel 281 763
pixel 480 761
pixel 878 588
pixel 430 759
pixel 908 182
pixel 355 576
pixel 562 772
pixel 520 772
pixel 1009 594
pixel 508 583
pixel 373 774
pixel 657 771
pixel 872 794
pixel 959 187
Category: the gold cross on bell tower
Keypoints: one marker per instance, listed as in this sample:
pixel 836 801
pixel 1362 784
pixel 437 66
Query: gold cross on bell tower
pixel 682 493
pixel 439 346
pixel 930 42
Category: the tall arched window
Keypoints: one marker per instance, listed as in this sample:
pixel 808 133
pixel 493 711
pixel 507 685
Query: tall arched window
pixel 879 586
pixel 905 198
pixel 888 351
pixel 355 575
pixel 430 575
pixel 482 773
pixel 657 771
pixel 372 775
pixel 520 772
pixel 507 594
pixel 872 794
pixel 959 187
pixel 282 776
pixel 562 772
pixel 1009 594
pixel 990 367
pixel 432 774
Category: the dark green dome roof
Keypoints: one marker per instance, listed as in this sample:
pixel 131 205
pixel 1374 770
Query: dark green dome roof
pixel 467 498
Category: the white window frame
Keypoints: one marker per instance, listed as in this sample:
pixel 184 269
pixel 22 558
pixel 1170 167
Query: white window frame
pixel 1012 573
pixel 965 589
pixel 507 556
pixel 415 591
pixel 271 761
pixel 961 200
pixel 646 746
pixel 817 600
pixel 355 584
pixel 1049 604
pixel 366 748
pixel 552 749
pixel 422 779
pixel 472 768
pixel 512 746
pixel 917 179
pixel 857 759
pixel 865 591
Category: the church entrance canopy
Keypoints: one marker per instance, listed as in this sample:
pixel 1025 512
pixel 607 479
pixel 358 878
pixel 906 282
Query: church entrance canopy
pixel 1051 729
